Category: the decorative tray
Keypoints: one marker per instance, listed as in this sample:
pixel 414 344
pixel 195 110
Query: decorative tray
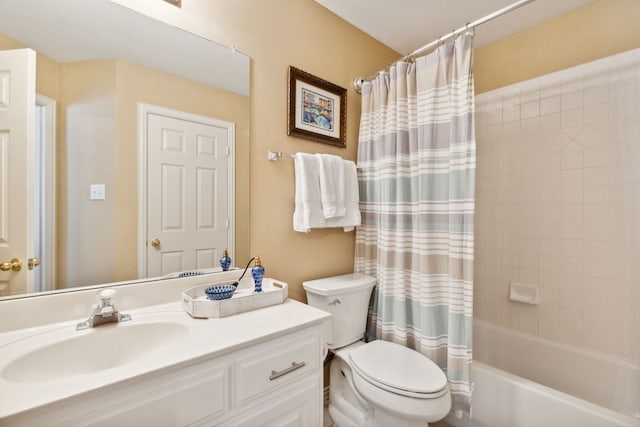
pixel 196 303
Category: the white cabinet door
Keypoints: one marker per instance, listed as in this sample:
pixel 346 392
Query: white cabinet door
pixel 298 406
pixel 177 398
pixel 174 405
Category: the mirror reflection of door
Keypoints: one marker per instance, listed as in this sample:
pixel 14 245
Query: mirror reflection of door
pixel 189 165
pixel 17 129
pixel 44 231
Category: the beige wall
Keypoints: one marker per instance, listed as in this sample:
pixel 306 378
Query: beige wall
pixel 599 29
pixel 98 144
pixel 85 155
pixel 302 33
pixel 277 34
pixel 139 84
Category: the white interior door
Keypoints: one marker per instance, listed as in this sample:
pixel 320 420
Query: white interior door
pixel 17 130
pixel 45 194
pixel 188 193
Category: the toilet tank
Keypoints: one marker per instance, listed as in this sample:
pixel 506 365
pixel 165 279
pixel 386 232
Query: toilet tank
pixel 346 297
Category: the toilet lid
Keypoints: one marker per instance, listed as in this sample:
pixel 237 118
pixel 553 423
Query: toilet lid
pixel 400 368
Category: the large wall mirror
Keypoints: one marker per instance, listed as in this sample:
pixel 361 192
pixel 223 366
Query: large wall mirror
pixel 141 146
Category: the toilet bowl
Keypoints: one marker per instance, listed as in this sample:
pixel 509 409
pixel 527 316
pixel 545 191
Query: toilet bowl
pixel 377 383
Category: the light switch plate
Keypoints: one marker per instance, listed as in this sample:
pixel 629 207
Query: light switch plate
pixel 97 192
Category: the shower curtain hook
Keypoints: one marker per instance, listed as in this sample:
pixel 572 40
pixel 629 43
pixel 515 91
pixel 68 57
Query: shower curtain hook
pixel 469 31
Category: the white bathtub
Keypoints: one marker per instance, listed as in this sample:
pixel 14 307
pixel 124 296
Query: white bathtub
pixel 521 381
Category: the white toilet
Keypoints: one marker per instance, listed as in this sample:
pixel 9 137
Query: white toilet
pixel 376 384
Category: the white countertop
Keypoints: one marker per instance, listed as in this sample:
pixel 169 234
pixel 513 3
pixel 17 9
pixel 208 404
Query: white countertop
pixel 206 338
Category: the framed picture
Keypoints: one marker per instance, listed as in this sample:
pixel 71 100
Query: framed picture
pixel 317 109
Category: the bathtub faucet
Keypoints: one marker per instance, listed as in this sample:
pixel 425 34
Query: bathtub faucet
pixel 103 312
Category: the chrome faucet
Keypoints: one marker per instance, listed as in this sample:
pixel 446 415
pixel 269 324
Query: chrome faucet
pixel 103 312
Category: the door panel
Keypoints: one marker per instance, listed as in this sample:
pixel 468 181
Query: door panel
pixel 17 135
pixel 187 194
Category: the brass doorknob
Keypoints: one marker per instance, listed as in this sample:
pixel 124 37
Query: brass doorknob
pixel 155 243
pixel 32 263
pixel 15 265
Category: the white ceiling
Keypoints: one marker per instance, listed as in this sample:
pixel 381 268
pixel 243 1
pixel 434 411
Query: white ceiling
pixel 406 25
pixel 76 30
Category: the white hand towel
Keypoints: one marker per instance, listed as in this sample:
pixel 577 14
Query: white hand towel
pixel 332 185
pixel 351 216
pixel 308 210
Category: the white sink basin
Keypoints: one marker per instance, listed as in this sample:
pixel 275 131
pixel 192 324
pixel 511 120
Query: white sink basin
pixel 69 353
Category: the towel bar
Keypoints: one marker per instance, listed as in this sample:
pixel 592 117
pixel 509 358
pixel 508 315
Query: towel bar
pixel 275 155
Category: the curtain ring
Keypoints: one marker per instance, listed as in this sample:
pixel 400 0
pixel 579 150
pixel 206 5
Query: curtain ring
pixel 469 31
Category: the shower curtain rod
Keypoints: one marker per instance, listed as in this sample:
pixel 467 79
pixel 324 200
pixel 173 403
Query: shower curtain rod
pixel 358 81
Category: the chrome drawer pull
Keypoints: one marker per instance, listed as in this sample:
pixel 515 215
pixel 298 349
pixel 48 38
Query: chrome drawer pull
pixel 294 366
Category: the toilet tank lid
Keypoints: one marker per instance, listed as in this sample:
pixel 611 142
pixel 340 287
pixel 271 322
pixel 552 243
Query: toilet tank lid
pixel 336 285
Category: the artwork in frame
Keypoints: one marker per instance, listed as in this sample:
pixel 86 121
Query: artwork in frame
pixel 317 109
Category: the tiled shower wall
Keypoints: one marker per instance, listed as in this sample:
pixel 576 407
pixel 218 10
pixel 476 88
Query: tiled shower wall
pixel 558 205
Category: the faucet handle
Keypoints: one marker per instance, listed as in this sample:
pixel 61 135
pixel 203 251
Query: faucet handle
pixel 106 295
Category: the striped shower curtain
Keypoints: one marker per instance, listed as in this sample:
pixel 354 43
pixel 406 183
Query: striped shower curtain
pixel 416 160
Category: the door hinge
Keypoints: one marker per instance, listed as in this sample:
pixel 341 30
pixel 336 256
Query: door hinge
pixel 228 223
pixel 228 151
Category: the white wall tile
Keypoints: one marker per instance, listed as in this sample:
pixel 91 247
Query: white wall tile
pixel 549 322
pixel 596 176
pixel 528 260
pixel 550 229
pixel 571 213
pixel 596 194
pixel 523 317
pixel 548 263
pixel 493 117
pixel 571 118
pixel 572 159
pixel 596 113
pixel 550 105
pixel 570 327
pixel 530 110
pixel 597 94
pixel 531 125
pixel 596 231
pixel 571 178
pixel 571 248
pixel 595 212
pixel 549 212
pixel 597 156
pixel 511 114
pixel 570 297
pixel 572 100
pixel 571 230
pixel 566 210
pixel 571 195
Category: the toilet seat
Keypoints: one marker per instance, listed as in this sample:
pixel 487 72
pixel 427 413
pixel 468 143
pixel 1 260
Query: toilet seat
pixel 399 370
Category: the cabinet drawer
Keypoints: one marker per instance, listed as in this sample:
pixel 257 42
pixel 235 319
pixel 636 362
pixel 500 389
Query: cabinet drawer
pixel 276 363
pixel 299 405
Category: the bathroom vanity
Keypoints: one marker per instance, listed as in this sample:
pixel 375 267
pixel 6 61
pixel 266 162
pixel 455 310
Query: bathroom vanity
pixel 165 368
